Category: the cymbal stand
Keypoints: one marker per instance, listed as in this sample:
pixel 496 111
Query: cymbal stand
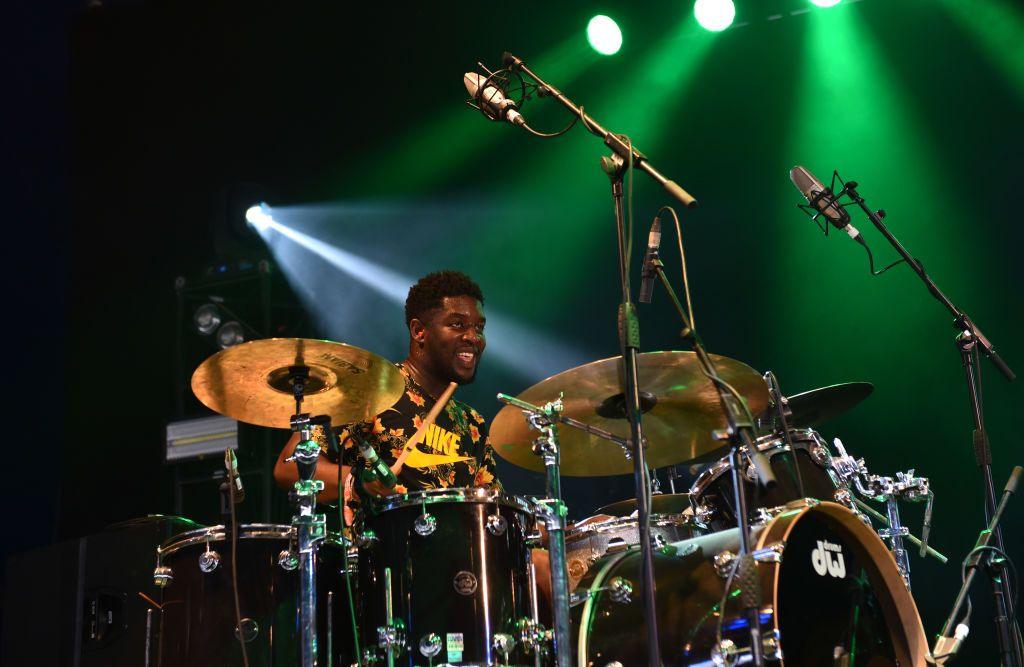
pixel 553 510
pixel 740 435
pixel 310 527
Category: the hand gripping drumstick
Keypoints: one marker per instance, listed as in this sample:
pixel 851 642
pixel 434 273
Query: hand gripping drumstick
pixel 410 445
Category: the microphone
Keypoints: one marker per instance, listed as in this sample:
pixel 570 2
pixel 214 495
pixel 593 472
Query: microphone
pixel 822 200
pixel 491 99
pixel 231 464
pixel 376 468
pixel 647 272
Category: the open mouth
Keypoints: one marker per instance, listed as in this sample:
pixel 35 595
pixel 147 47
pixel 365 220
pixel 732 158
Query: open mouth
pixel 467 357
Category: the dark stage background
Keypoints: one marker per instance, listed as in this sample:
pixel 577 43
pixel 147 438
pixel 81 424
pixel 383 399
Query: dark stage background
pixel 142 131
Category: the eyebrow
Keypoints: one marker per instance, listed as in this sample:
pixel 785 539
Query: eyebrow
pixel 465 315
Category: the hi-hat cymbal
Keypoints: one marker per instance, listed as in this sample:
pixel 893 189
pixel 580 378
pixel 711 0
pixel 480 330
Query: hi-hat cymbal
pixel 681 409
pixel 661 503
pixel 252 382
pixel 816 406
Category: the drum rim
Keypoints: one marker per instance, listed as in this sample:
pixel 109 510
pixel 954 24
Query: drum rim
pixel 455 494
pixel 246 531
pixel 765 443
pixel 663 519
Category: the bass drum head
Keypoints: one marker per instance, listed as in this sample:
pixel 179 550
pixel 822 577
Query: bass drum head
pixel 830 593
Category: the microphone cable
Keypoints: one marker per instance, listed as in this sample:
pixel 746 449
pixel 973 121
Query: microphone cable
pixel 240 633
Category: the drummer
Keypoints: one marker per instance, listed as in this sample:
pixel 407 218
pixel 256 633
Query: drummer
pixel 445 319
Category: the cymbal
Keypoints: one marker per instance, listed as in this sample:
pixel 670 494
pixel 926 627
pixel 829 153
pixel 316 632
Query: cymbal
pixel 252 382
pixel 661 503
pixel 681 409
pixel 816 406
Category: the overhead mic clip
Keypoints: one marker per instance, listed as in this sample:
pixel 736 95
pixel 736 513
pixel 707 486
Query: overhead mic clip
pixel 816 207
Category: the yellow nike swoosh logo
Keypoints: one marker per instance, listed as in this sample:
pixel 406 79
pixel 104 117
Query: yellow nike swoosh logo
pixel 418 459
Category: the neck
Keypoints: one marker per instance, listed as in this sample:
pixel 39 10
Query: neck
pixel 424 378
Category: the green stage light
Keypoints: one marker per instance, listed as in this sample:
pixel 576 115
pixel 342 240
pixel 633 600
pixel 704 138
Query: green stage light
pixel 825 3
pixel 714 15
pixel 604 35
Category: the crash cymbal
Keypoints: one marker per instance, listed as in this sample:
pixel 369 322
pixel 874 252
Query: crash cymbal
pixel 681 409
pixel 816 406
pixel 661 503
pixel 252 382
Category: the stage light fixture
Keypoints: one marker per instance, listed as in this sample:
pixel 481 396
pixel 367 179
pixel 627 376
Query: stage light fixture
pixel 714 15
pixel 825 3
pixel 604 35
pixel 206 318
pixel 230 334
pixel 259 216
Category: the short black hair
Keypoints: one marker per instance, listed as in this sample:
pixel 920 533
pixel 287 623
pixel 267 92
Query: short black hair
pixel 431 289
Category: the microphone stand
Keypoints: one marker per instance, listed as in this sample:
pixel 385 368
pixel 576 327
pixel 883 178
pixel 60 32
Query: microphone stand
pixel 629 328
pixel 948 641
pixel 970 341
pixel 740 435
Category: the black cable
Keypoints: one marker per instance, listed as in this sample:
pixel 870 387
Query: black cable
pixel 234 570
pixel 345 545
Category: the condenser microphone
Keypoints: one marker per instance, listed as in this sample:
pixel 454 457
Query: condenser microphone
pixel 648 272
pixel 376 468
pixel 231 464
pixel 491 99
pixel 822 200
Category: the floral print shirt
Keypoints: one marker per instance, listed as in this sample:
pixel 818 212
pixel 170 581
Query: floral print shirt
pixel 458 432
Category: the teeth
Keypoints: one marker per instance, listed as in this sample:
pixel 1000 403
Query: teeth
pixel 468 356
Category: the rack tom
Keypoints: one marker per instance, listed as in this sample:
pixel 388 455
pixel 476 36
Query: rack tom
pixel 445 578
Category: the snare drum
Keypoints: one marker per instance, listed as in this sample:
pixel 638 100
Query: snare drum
pixel 452 568
pixel 198 622
pixel 829 590
pixel 805 472
pixel 590 540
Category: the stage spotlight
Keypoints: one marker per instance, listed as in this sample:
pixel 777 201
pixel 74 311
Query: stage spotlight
pixel 714 15
pixel 229 335
pixel 207 319
pixel 258 215
pixel 825 3
pixel 604 35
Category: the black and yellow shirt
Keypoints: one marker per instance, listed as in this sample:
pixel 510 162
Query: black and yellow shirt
pixel 453 452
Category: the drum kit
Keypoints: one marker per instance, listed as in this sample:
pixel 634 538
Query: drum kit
pixel 450 576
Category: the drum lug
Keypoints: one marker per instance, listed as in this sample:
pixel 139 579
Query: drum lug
pixel 504 644
pixel 425 524
pixel 844 497
pixel 771 553
pixel 209 561
pixel 288 560
pixel 620 590
pixel 532 634
pixel 392 636
pixel 724 653
pixel 496 524
pixel 724 563
pixel 162 576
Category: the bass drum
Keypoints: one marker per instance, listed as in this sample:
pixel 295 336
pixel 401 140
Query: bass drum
pixel 830 594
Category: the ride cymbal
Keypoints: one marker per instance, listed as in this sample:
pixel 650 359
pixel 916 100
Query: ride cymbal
pixel 252 382
pixel 681 409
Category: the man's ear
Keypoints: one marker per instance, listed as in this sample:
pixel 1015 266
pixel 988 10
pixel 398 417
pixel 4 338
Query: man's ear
pixel 417 331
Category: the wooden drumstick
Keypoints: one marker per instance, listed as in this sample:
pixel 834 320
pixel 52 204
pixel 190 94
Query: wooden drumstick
pixel 422 430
